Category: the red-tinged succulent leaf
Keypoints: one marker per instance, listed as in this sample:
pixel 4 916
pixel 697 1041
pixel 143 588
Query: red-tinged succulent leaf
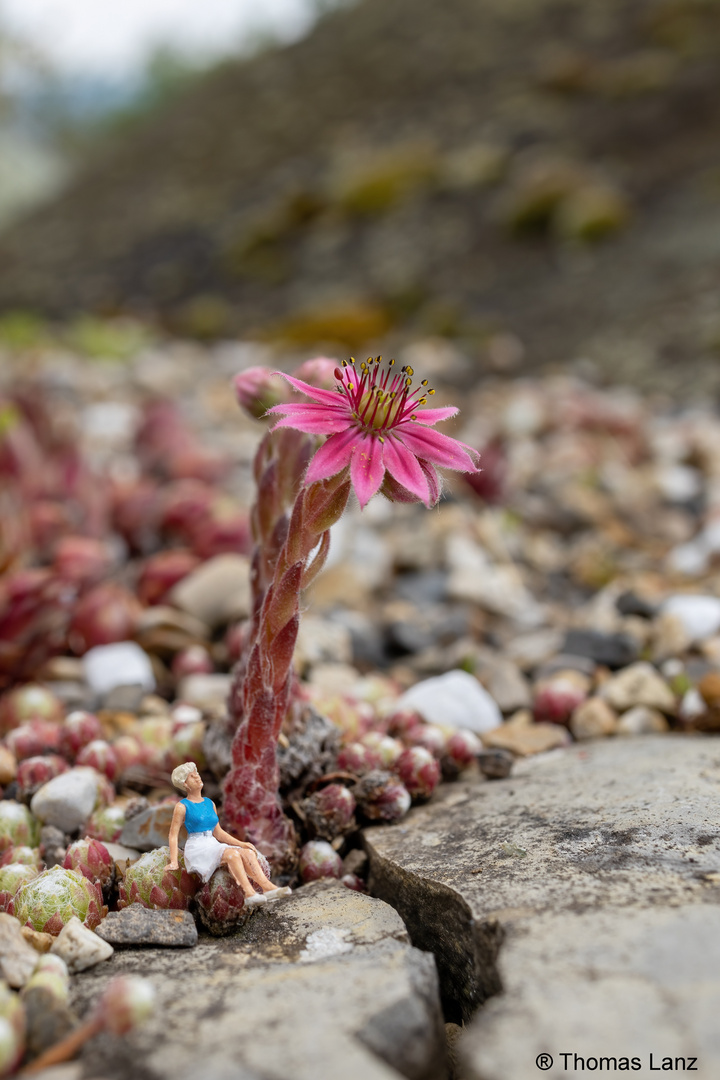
pixel 419 772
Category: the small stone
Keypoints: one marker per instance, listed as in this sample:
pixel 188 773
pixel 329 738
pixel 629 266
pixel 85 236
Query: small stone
pixel 508 686
pixel 217 592
pixel 455 700
pixel 321 640
pixel 700 615
pixel 138 925
pixel 207 692
pixel 68 800
pixel 124 699
pixel 149 829
pixel 525 740
pixel 8 766
pixel 498 588
pixel 593 719
pixel 642 720
pixel 670 637
pixel 566 662
pixel 122 663
pixel 355 862
pixel 639 684
pixel 612 650
pixel 53 846
pixel 629 603
pixel 40 942
pixel 17 959
pixel 120 854
pixel 79 947
pixel 530 650
pixel 495 764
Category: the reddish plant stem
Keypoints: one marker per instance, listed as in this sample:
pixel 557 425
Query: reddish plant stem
pixel 289 555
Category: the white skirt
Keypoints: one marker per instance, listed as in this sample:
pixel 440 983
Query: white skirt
pixel 203 854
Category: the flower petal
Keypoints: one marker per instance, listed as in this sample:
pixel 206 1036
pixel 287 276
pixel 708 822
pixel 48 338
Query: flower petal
pixel 314 425
pixel 367 468
pixel 332 456
pixel 406 469
pixel 433 416
pixel 437 448
pixel 433 482
pixel 324 397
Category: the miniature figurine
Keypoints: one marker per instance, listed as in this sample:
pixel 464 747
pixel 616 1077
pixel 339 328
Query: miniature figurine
pixel 208 846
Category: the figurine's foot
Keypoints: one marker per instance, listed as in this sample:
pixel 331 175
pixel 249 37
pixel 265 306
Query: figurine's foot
pixel 275 894
pixel 254 900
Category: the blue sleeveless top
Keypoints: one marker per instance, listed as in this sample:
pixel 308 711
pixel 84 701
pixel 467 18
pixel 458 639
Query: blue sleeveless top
pixel 199 816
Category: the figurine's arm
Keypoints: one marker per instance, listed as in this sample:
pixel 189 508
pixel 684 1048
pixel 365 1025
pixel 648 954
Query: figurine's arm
pixel 226 838
pixel 177 820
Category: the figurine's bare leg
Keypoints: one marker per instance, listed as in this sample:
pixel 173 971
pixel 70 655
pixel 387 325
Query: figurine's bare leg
pixel 232 858
pixel 252 867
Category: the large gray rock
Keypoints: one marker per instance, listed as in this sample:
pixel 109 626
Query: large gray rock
pixel 321 985
pixel 585 888
pixel 149 829
pixel 68 800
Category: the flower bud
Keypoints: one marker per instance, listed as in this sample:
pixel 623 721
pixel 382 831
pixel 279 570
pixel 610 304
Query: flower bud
pixel 257 390
pixel 319 372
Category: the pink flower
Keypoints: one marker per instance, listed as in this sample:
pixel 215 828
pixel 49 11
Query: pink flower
pixel 375 428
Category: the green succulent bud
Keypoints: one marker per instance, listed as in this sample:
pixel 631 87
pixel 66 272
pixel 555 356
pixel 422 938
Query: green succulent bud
pixel 49 901
pixel 17 826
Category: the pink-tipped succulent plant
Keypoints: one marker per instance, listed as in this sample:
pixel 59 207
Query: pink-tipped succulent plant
pixel 26 703
pixel 162 571
pixel 330 812
pixel 79 729
pixel 92 859
pixel 12 1030
pixel 379 438
pixel 357 758
pixel 419 772
pixel 150 883
pixel 463 747
pixel 128 1001
pixel 192 660
pixel 18 827
pixel 33 772
pixel 34 737
pixel 51 899
pixel 557 697
pixel 106 823
pixel 380 796
pixel 12 877
pixel 221 903
pixel 105 614
pixel 99 755
pixel 23 853
pixel 319 860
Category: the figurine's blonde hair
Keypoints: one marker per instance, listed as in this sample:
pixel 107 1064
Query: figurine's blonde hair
pixel 180 775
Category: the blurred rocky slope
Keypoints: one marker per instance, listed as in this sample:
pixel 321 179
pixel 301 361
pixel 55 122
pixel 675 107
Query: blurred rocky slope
pixel 545 167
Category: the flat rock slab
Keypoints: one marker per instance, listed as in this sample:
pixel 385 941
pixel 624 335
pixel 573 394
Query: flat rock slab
pixel 138 925
pixel 580 896
pixel 324 984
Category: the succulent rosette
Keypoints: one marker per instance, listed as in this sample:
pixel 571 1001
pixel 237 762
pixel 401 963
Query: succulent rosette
pixel 79 729
pixel 352 881
pixel 106 823
pixel 155 735
pixel 129 752
pixel 419 772
pixel 387 749
pixel 318 859
pixel 221 903
pixel 127 1002
pixel 99 755
pixel 18 827
pixel 29 702
pixel 186 744
pixel 150 883
pixel 430 736
pixel 330 812
pixel 23 853
pixel 52 974
pixel 34 737
pixel 12 1030
pixel 12 877
pixel 51 899
pixel 92 859
pixel 380 796
pixel 358 759
pixel 33 772
pixel 557 697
